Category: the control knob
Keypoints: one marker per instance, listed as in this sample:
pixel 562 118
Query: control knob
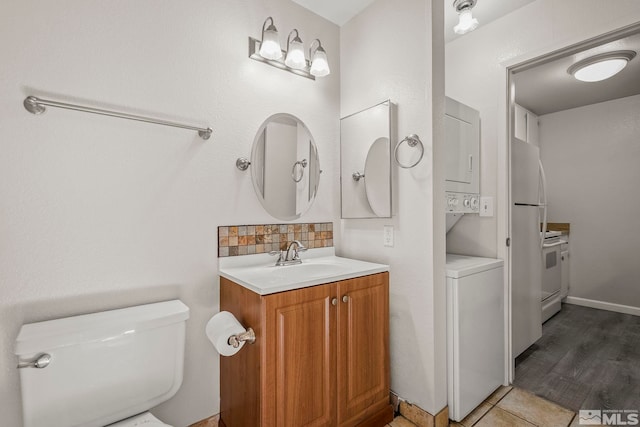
pixel 474 203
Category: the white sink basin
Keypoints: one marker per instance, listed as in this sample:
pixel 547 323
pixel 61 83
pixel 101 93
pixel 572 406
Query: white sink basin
pixel 309 269
pixel 259 273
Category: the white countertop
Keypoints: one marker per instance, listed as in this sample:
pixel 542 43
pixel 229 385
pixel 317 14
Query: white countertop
pixel 259 274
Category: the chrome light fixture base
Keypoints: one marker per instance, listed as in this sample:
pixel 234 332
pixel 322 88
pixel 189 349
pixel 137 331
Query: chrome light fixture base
pixel 254 49
pixel 459 5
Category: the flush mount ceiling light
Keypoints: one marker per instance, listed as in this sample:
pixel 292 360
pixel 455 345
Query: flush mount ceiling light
pixel 295 52
pixel 466 21
pixel 601 67
pixel 270 45
pixel 318 58
pixel 268 51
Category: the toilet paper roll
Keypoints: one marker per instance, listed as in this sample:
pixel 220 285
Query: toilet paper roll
pixel 219 328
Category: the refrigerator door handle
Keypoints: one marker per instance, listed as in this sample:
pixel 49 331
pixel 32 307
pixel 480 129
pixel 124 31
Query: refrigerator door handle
pixel 543 203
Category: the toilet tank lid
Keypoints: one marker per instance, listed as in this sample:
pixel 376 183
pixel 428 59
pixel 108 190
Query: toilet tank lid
pixel 50 334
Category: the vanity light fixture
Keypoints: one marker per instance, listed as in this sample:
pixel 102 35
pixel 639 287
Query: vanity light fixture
pixel 318 58
pixel 270 45
pixel 466 20
pixel 268 51
pixel 601 67
pixel 295 52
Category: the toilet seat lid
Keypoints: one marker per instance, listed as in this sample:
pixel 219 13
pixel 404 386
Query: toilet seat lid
pixel 146 419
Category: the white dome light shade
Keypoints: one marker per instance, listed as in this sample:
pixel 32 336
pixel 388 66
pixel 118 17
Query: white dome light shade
pixel 601 67
pixel 466 23
pixel 600 70
pixel 270 45
pixel 320 64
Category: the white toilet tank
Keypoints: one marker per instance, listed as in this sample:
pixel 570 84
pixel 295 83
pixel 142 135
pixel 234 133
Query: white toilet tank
pixel 104 366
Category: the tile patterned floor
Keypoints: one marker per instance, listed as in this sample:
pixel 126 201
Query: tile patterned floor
pixel 510 407
pixel 506 407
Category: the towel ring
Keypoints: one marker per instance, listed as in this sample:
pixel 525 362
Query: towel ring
pixel 412 140
pixel 298 166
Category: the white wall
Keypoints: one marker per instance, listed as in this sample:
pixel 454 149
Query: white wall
pixel 475 75
pixel 394 50
pixel 591 156
pixel 99 213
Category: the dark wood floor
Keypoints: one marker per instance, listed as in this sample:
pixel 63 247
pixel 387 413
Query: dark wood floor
pixel 586 359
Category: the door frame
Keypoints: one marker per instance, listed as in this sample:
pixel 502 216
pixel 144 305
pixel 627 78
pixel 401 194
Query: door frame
pixel 506 126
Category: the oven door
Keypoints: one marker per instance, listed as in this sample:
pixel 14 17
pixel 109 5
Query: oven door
pixel 551 268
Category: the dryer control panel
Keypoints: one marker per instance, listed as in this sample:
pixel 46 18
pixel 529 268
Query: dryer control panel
pixel 463 202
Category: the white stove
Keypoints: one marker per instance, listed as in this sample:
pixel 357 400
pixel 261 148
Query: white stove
pixel 551 274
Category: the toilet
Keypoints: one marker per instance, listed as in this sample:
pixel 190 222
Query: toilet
pixel 106 368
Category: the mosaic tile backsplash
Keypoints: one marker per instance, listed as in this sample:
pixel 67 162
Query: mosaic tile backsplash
pixel 236 240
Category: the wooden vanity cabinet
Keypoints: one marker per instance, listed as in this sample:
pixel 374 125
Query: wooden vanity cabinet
pixel 321 356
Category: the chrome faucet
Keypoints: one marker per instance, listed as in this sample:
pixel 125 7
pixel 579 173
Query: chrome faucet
pixel 287 257
pixel 296 251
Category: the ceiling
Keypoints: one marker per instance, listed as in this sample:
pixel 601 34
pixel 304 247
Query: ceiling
pixel 341 11
pixel 543 89
pixel 337 11
pixel 548 88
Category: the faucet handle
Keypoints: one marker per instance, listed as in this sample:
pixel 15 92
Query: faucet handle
pixel 281 255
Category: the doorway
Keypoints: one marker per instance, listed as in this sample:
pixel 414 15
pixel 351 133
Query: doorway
pixel 580 354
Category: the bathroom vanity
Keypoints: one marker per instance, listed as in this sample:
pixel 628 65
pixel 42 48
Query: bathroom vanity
pixel 321 355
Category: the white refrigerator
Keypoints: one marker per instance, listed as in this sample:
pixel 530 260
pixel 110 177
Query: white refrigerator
pixel 528 211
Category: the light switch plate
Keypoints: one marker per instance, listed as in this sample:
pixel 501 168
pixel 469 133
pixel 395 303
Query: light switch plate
pixel 388 235
pixel 486 206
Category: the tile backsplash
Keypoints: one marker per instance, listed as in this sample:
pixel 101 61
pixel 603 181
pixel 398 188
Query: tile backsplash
pixel 236 240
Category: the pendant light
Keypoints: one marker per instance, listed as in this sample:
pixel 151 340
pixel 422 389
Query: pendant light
pixel 295 52
pixel 270 45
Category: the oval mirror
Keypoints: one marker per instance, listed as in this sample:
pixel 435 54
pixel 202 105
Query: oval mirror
pixel 377 182
pixel 285 168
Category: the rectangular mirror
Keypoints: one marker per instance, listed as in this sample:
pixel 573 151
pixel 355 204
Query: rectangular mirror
pixel 365 162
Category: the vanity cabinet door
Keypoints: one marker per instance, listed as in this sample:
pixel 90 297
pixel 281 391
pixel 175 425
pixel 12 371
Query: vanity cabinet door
pixel 363 350
pixel 300 359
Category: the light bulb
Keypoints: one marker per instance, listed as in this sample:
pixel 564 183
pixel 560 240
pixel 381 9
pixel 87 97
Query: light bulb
pixel 466 22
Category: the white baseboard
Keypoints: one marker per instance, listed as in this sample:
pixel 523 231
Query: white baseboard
pixel 602 305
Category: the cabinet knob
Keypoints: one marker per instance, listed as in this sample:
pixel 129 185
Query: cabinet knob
pixel 334 301
pixel 345 298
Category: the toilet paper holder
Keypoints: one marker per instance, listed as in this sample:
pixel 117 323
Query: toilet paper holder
pixel 246 336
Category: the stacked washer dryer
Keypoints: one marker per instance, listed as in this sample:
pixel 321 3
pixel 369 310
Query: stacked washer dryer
pixel 475 290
